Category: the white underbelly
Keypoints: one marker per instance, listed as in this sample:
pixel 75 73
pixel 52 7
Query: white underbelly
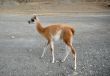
pixel 57 36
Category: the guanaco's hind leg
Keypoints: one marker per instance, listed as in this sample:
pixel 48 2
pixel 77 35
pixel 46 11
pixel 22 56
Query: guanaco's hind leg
pixel 67 38
pixel 66 53
pixel 73 53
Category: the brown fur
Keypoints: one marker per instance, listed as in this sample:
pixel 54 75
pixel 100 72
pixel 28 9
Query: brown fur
pixel 49 31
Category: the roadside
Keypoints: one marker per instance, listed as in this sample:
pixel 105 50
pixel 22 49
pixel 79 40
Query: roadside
pixel 21 47
pixel 55 9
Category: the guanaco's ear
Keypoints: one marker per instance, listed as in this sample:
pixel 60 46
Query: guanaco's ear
pixel 36 17
pixel 34 14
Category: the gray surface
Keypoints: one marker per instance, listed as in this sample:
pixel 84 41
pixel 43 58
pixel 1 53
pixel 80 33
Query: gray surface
pixel 21 47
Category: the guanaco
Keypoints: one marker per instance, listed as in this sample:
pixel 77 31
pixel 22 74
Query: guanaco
pixel 55 32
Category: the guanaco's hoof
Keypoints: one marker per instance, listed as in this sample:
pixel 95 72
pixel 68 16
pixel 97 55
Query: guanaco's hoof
pixel 53 62
pixel 41 57
pixel 75 68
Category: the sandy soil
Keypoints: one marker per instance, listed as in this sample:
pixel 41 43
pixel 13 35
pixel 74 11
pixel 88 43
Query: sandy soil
pixel 52 8
pixel 21 47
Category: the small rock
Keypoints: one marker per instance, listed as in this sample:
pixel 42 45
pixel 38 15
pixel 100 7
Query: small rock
pixel 75 73
pixel 12 37
pixel 50 71
pixel 30 50
pixel 64 68
pixel 103 65
pixel 91 72
pixel 47 63
pixel 67 71
pixel 46 73
pixel 90 65
pixel 44 62
pixel 57 61
pixel 83 67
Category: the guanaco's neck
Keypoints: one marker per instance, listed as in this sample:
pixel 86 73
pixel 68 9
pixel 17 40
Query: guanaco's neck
pixel 39 27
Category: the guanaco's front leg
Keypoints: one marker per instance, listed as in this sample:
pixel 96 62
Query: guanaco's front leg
pixel 52 51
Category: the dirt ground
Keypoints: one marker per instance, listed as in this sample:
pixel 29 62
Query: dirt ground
pixel 54 8
pixel 21 47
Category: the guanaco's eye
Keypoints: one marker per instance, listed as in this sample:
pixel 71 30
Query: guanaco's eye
pixel 32 20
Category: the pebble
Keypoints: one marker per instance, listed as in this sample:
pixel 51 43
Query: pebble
pixel 90 65
pixel 91 72
pixel 30 50
pixel 50 71
pixel 103 65
pixel 75 73
pixel 47 63
pixel 12 37
pixel 83 67
pixel 57 61
pixel 64 68
pixel 46 73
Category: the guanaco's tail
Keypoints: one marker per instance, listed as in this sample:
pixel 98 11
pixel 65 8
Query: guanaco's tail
pixel 73 30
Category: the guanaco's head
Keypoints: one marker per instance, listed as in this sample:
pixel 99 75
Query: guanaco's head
pixel 33 19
